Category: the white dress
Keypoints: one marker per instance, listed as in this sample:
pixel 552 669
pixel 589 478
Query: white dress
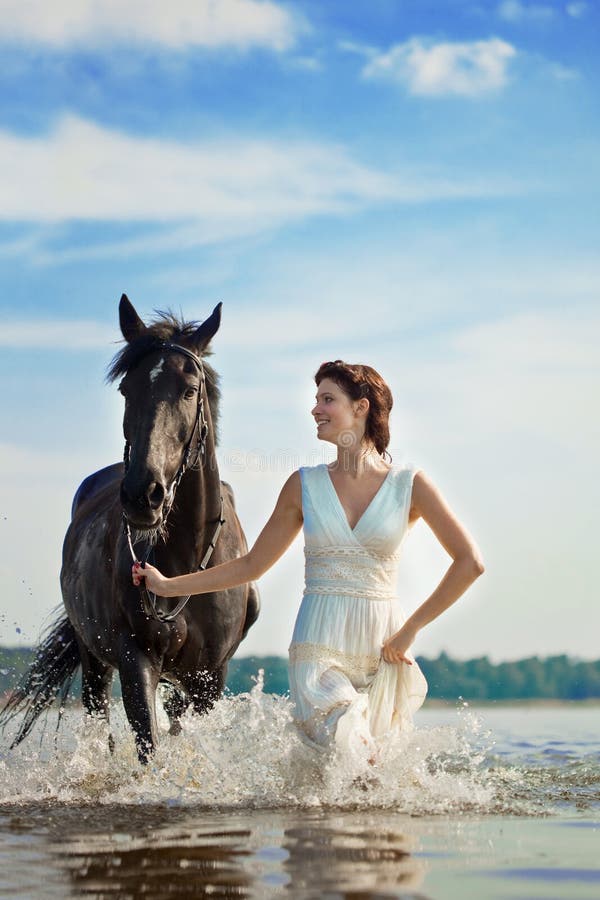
pixel 341 688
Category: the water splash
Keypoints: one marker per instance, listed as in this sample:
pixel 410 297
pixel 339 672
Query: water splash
pixel 246 753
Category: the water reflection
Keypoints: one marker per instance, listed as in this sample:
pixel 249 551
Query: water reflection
pixel 162 853
pixel 159 853
pixel 350 856
pixel 152 869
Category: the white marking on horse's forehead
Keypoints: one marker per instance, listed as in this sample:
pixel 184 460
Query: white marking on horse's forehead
pixel 155 372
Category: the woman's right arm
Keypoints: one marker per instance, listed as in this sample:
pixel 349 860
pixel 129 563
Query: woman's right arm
pixel 277 535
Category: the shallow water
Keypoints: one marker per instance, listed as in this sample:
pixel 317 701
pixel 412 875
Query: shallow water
pixel 501 802
pixel 158 852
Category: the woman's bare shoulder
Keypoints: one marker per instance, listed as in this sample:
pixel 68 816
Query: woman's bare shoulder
pixel 427 499
pixel 423 486
pixel 291 492
pixel 420 489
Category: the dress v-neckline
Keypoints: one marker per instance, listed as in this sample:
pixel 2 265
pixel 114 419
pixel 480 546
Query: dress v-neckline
pixel 368 507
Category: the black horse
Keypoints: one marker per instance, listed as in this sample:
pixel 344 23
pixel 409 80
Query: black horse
pixel 167 496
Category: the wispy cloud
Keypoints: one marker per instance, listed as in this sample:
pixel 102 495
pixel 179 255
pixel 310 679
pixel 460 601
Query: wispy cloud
pixel 532 374
pixel 550 343
pixel 357 48
pixel 43 248
pixel 305 63
pixel 84 171
pixel 56 334
pixel 577 9
pixel 192 194
pixel 517 12
pixel 427 68
pixel 562 73
pixel 178 25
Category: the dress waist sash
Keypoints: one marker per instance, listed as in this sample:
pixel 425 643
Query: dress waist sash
pixel 350 572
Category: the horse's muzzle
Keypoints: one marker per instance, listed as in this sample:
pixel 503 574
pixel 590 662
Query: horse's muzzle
pixel 144 509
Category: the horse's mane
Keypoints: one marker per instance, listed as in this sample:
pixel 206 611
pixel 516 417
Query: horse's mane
pixel 166 327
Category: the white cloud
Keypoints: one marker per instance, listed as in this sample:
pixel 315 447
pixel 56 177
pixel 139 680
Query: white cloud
pixel 357 49
pixel 24 245
pixel 41 248
pixel 306 63
pixel 178 25
pixel 536 347
pixel 562 73
pixel 84 171
pixel 517 12
pixel 428 69
pixel 56 334
pixel 577 9
pixel 192 194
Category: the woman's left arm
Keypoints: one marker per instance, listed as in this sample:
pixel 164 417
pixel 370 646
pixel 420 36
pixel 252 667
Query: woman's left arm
pixel 428 504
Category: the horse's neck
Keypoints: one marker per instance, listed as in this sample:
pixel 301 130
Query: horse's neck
pixel 196 513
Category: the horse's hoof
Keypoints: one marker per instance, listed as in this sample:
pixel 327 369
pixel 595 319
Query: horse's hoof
pixel 175 728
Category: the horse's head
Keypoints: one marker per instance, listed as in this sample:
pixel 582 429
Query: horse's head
pixel 169 397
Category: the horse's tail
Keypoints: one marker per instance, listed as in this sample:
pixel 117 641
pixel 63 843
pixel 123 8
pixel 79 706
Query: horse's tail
pixel 49 676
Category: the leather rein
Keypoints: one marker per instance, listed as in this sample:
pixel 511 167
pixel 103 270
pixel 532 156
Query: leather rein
pixel 201 429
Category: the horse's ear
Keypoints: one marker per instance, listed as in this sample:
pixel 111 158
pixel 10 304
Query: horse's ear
pixel 131 324
pixel 206 332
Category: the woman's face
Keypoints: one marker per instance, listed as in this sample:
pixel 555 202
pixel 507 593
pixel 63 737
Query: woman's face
pixel 336 414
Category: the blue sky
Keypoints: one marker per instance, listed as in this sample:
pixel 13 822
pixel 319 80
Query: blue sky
pixel 409 184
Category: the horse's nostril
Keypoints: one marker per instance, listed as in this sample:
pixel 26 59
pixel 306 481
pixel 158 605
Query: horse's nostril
pixel 131 501
pixel 141 500
pixel 155 494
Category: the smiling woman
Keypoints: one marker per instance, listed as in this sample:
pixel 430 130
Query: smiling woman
pixel 353 681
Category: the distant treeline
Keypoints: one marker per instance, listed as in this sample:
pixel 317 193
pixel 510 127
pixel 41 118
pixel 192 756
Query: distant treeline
pixel 552 678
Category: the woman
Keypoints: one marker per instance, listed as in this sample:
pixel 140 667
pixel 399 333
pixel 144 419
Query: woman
pixel 351 676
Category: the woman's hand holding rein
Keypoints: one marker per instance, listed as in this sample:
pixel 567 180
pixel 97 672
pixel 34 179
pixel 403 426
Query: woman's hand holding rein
pixel 152 578
pixel 277 535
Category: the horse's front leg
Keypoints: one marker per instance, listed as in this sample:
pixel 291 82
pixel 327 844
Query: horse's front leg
pixel 139 678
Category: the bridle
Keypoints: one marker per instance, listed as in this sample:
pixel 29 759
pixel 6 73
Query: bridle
pixel 200 430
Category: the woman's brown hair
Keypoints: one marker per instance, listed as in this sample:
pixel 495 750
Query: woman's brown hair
pixel 360 381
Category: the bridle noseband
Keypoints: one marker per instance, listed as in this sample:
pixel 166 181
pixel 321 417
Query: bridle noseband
pixel 201 429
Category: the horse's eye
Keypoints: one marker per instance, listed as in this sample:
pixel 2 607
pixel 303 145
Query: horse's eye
pixel 189 393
